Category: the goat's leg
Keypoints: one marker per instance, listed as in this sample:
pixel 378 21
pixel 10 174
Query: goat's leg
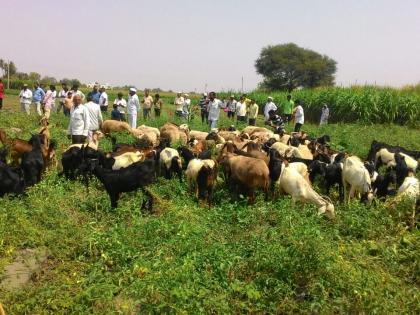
pixel 114 196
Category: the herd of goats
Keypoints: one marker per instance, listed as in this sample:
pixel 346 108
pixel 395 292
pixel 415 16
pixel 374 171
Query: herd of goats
pixel 251 159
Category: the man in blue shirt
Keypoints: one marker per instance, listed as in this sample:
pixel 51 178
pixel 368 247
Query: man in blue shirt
pixel 37 97
pixel 95 94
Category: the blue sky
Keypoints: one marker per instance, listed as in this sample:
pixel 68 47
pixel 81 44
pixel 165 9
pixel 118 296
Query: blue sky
pixel 183 45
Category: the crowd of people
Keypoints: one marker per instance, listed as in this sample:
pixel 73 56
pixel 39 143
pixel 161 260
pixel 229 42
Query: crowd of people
pixel 71 100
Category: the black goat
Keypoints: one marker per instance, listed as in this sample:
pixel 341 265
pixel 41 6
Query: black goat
pixel 401 168
pixel 137 175
pixel 323 140
pixel 332 174
pixel 33 162
pixel 3 155
pixel 382 183
pixel 73 158
pixel 11 180
pixel 186 154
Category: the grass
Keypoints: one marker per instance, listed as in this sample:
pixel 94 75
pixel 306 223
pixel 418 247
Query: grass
pixel 233 258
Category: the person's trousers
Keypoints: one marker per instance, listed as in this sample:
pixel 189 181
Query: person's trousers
pixel 157 112
pixel 297 127
pixel 1 103
pixel 241 118
pixel 132 120
pixel 37 106
pixel 104 108
pixel 204 116
pixel 47 113
pixel 231 114
pixel 26 108
pixel 252 121
pixel 78 139
pixel 146 113
pixel 213 124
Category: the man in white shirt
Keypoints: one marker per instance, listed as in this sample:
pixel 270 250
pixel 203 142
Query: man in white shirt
pixel 25 96
pixel 103 99
pixel 133 106
pixel 75 91
pixel 121 105
pixel 241 109
pixel 79 121
pixel 179 104
pixel 299 116
pixel 186 106
pixel 95 117
pixel 269 106
pixel 214 107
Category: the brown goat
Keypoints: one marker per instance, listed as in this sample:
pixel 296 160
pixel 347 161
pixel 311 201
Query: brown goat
pixel 247 172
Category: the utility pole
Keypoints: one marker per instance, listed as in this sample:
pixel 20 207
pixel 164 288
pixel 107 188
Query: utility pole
pixel 242 85
pixel 8 74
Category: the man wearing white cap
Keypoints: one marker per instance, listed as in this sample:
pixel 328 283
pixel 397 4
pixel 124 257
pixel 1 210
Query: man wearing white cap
pixel 269 106
pixel 133 106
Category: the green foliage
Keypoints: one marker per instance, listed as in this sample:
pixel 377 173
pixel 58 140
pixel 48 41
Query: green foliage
pixel 364 104
pixel 288 66
pixel 232 258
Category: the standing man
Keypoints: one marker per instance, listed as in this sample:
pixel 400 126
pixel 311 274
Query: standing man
pixel 158 105
pixel 1 93
pixel 288 108
pixel 25 96
pixel 325 113
pixel 147 102
pixel 49 101
pixel 133 106
pixel 186 106
pixel 62 96
pixel 299 116
pixel 37 98
pixel 241 109
pixel 253 113
pixel 231 106
pixel 203 108
pixel 95 94
pixel 121 105
pixel 79 121
pixel 179 104
pixel 214 107
pixel 75 91
pixel 95 117
pixel 269 106
pixel 103 99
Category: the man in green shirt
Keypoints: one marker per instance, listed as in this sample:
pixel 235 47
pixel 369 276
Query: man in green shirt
pixel 288 108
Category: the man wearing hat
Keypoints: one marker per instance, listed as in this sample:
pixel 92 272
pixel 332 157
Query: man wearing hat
pixel 203 107
pixel 25 96
pixel 231 106
pixel 268 107
pixel 133 106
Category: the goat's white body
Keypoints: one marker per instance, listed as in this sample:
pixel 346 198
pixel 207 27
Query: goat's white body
pixel 127 159
pixel 356 175
pixel 410 187
pixel 292 183
pixel 166 157
pixel 388 158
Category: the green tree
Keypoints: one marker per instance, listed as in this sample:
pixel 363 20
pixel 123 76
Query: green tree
pixel 288 66
pixel 34 76
pixel 4 66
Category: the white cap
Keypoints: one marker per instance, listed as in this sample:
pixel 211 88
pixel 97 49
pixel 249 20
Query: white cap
pixel 270 98
pixel 185 94
pixel 133 90
pixel 205 93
